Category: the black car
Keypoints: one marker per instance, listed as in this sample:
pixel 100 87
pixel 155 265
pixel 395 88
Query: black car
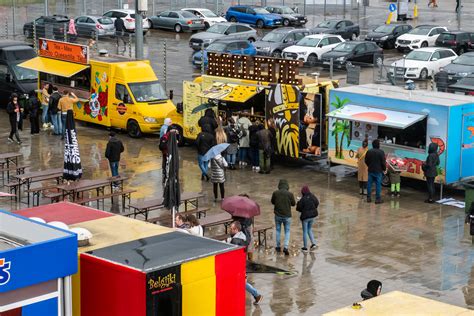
pixel 463 86
pixel 386 35
pixel 353 52
pixel 459 41
pixel 347 29
pixel 459 68
pixel 289 16
pixel 47 26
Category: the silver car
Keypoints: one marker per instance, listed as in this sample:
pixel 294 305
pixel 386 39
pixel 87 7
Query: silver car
pixel 90 26
pixel 178 21
pixel 226 30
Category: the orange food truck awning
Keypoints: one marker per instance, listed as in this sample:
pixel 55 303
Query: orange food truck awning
pixel 53 66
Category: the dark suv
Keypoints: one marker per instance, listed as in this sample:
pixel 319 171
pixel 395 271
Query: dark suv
pixel 52 26
pixel 459 41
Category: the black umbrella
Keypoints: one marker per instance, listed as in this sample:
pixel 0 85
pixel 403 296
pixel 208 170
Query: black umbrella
pixel 72 158
pixel 171 194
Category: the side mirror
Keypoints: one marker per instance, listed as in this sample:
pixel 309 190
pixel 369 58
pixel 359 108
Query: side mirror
pixel 285 40
pixel 320 45
pixel 226 33
pixel 8 78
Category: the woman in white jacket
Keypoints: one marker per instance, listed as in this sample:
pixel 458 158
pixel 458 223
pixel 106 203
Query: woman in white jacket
pixel 196 228
pixel 218 165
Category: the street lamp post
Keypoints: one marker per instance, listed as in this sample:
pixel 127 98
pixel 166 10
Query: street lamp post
pixel 140 6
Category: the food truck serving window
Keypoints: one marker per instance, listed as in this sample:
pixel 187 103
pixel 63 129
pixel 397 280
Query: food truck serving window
pixel 148 91
pixel 80 81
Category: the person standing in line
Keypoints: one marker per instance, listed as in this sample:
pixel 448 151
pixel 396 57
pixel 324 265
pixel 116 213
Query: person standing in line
pixel 45 93
pixel 210 120
pixel 253 143
pixel 308 207
pixel 66 103
pixel 218 165
pixel 283 200
pixel 204 141
pixel 112 152
pixel 376 165
pixel 14 112
pixel 167 123
pixel 233 134
pixel 265 150
pixel 362 171
pixel 244 144
pixel 430 169
pixel 221 136
pixel 53 111
pixel 272 128
pixel 33 109
pixel 120 30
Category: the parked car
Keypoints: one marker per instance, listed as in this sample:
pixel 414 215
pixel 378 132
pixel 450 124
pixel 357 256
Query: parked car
pixel 420 36
pixel 230 46
pixel 46 26
pixel 347 29
pixel 459 41
pixel 274 42
pixel 288 15
pixel 209 17
pixel 90 26
pixel 353 52
pixel 386 35
pixel 253 15
pixel 128 17
pixel 459 68
pixel 422 63
pixel 463 86
pixel 223 30
pixel 312 47
pixel 178 21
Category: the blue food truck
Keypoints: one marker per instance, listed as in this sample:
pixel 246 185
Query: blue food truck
pixel 406 122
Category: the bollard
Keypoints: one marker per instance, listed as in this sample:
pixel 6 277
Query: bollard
pixel 130 45
pixel 202 60
pixel 164 63
pixel 6 28
pixel 65 32
pixel 331 67
pixel 35 43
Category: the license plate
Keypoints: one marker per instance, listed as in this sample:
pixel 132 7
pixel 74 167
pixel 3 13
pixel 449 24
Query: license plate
pixel 196 44
pixel 197 22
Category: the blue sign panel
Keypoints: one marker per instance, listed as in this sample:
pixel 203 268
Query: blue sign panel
pixel 392 7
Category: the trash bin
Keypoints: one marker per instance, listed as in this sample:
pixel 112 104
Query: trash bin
pixel 469 195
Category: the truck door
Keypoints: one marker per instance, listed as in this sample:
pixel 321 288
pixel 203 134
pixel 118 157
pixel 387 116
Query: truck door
pixel 122 106
pixel 467 146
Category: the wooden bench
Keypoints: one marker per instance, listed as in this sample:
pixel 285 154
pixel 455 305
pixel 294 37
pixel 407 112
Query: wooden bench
pixel 142 208
pixel 13 188
pixel 125 194
pixel 167 218
pixel 53 196
pixel 37 192
pixel 18 169
pixel 261 230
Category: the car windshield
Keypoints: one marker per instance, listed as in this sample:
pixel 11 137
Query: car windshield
pixel 274 37
pixel 384 29
pixel 208 14
pixel 187 15
pixel 416 55
pixel 217 28
pixel 24 74
pixel 309 42
pixel 420 31
pixel 148 91
pixel 217 47
pixel 261 11
pixel 287 10
pixel 467 60
pixel 105 21
pixel 345 47
pixel 328 24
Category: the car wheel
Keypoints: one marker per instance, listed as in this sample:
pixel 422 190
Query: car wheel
pixel 385 180
pixel 286 22
pixel 206 25
pixel 260 24
pixel 251 39
pixel 312 60
pixel 423 74
pixel 461 51
pixel 424 44
pixel 353 36
pixel 232 19
pixel 276 54
pixel 178 28
pixel 133 129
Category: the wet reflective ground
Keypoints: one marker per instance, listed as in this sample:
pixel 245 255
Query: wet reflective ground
pixel 408 245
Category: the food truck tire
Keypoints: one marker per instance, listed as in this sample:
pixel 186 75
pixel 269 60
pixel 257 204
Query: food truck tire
pixel 133 129
pixel 385 180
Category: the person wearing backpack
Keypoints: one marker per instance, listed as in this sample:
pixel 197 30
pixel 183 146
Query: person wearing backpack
pixel 53 110
pixel 308 207
pixel 234 134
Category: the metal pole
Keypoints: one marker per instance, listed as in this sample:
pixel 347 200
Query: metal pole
pixel 324 9
pixel 46 8
pixel 304 7
pixel 344 8
pixel 129 45
pixel 152 7
pixel 13 17
pixel 331 67
pixel 103 6
pixel 84 7
pixel 138 32
pixel 164 63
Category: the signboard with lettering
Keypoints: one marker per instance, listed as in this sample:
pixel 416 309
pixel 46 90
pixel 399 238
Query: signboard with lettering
pixel 265 69
pixel 64 51
pixel 163 292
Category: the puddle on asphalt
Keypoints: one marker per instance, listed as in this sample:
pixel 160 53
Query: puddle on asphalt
pixel 254 267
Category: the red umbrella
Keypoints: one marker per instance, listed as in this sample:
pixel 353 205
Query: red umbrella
pixel 240 206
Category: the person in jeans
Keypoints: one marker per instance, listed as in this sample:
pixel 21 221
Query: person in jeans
pixel 376 165
pixel 253 143
pixel 431 171
pixel 14 113
pixel 233 134
pixel 112 153
pixel 283 200
pixel 308 207
pixel 204 141
pixel 53 111
pixel 45 93
pixel 66 103
pixel 244 144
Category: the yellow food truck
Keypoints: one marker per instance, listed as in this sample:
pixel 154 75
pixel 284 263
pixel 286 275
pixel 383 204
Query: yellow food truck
pixel 263 89
pixel 113 91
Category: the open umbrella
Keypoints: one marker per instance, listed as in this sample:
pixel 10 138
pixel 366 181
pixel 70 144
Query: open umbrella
pixel 171 193
pixel 214 151
pixel 202 107
pixel 240 206
pixel 72 158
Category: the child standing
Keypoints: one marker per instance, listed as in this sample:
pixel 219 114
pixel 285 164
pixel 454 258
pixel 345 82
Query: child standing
pixel 394 182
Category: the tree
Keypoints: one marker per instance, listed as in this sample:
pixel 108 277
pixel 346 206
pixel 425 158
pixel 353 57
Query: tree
pixel 340 126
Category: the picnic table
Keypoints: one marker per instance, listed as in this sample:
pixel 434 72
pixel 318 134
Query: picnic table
pixel 9 158
pixel 215 220
pixel 76 189
pixel 29 177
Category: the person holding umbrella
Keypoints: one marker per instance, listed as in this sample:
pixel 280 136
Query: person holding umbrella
pixel 218 165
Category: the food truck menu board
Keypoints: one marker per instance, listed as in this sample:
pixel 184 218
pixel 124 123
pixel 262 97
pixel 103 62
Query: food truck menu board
pixel 63 51
pixel 361 130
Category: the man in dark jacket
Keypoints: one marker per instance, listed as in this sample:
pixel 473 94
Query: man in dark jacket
pixel 112 153
pixel 430 169
pixel 204 141
pixel 253 143
pixel 374 288
pixel 34 106
pixel 265 149
pixel 208 121
pixel 283 200
pixel 376 165
pixel 120 30
pixel 53 111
